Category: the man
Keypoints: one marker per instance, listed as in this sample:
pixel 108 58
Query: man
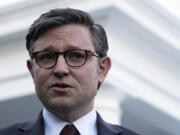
pixel 68 64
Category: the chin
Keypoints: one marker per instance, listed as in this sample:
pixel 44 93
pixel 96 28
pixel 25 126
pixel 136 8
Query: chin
pixel 59 105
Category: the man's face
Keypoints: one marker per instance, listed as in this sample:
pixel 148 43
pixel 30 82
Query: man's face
pixel 63 87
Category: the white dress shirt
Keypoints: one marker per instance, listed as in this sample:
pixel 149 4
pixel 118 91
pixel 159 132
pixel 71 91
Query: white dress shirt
pixel 86 125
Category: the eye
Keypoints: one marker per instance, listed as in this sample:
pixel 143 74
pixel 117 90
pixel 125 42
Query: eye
pixel 76 55
pixel 46 56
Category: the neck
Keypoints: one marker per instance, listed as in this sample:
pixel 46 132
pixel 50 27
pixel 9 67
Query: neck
pixel 71 115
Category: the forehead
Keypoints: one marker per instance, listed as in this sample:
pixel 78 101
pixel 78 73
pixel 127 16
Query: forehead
pixel 65 37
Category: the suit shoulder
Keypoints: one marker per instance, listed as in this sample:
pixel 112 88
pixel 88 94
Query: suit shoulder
pixel 109 128
pixel 125 131
pixel 12 129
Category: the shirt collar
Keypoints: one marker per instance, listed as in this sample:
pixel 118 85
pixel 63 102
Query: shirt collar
pixel 53 125
pixel 86 125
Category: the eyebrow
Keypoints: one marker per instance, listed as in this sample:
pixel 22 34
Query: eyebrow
pixel 48 48
pixel 69 47
pixel 73 47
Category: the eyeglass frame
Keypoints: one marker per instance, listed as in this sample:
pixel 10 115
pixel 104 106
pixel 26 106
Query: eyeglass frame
pixel 87 53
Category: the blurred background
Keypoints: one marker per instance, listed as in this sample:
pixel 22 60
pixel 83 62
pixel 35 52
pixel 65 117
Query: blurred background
pixel 141 91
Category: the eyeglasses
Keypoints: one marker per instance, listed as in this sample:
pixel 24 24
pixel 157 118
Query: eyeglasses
pixel 73 58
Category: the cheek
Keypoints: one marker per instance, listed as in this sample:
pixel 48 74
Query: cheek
pixel 88 80
pixel 40 80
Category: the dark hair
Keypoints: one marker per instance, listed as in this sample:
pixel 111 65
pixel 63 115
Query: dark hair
pixel 60 17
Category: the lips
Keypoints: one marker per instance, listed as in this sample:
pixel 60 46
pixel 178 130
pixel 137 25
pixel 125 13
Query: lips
pixel 60 87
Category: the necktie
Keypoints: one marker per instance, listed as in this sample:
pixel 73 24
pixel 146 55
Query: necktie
pixel 69 130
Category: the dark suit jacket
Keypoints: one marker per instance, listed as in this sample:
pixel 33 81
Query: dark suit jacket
pixel 37 128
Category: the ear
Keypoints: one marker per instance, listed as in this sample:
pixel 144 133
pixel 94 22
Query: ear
pixel 30 67
pixel 105 65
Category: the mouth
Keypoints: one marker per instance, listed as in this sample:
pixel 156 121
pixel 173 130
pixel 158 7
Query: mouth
pixel 61 87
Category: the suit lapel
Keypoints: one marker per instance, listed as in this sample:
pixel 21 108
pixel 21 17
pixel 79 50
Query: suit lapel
pixel 37 127
pixel 105 128
pixel 33 128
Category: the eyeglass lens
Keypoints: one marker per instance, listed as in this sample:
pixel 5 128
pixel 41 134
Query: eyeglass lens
pixel 48 59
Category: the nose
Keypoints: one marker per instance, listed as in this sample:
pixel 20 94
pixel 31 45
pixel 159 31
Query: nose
pixel 61 68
